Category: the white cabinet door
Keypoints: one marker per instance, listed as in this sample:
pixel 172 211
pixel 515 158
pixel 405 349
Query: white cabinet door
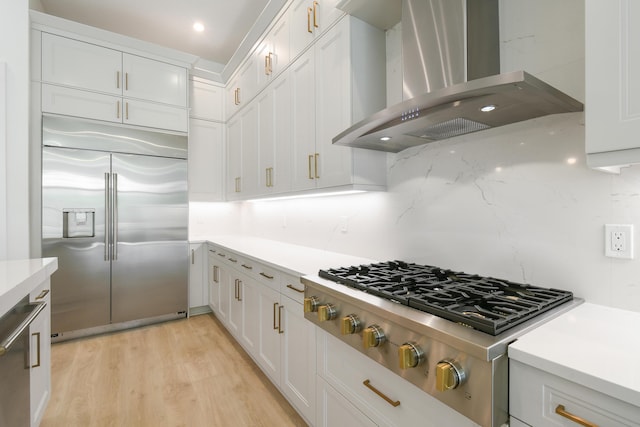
pixel 272 55
pixel 206 160
pixel 249 296
pixel 334 410
pixel 80 103
pixel 612 89
pixel 213 280
pixel 198 292
pixel 274 133
pixel 250 151
pixel 270 317
pixel 205 100
pixel 333 105
pixel 81 65
pixel 302 75
pixel 154 80
pixel 234 158
pixel 40 352
pixel 234 323
pixel 231 98
pixel 298 353
pixel 154 115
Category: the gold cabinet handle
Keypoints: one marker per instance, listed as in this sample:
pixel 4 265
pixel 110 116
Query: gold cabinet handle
pixel 266 65
pixel 248 267
pixel 290 286
pixel 239 100
pixel 309 20
pixel 310 160
pixel 126 107
pixel 216 279
pixel 391 402
pixel 275 307
pixel 240 290
pixel 233 260
pixel 270 57
pixel 193 256
pixel 315 14
pixel 560 410
pixel 222 255
pixel 238 185
pixel 37 335
pixel 280 330
pixel 267 177
pixel 118 110
pixel 117 79
pixel 43 294
pixel 126 81
pixel 263 274
pixel 317 155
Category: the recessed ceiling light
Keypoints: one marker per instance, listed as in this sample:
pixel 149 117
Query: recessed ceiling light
pixel 385 138
pixel 198 27
pixel 488 108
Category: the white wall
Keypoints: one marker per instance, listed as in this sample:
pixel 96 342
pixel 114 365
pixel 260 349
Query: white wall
pixel 14 142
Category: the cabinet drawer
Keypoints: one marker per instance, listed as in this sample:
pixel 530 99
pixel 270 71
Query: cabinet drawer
pixel 291 287
pixel 539 398
pixel 269 276
pixel 153 115
pixel 385 398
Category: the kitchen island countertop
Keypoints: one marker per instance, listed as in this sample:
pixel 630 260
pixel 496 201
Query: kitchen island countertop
pixel 588 346
pixel 19 277
pixel 297 260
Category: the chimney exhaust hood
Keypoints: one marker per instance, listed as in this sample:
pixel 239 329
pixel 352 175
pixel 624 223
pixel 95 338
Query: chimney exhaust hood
pixel 451 80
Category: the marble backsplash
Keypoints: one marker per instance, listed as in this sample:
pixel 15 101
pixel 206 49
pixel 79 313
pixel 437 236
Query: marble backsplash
pixel 516 202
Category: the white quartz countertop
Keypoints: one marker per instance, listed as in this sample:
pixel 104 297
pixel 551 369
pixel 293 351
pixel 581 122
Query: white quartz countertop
pixel 295 259
pixel 18 278
pixel 591 345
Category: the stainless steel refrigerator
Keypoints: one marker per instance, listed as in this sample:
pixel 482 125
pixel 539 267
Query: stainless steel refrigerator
pixel 115 213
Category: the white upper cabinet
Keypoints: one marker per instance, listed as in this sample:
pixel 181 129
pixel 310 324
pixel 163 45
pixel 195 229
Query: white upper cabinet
pixel 81 65
pixel 612 88
pixel 206 100
pixel 154 80
pixel 337 83
pixel 308 20
pixel 85 80
pixel 206 160
pixel 272 55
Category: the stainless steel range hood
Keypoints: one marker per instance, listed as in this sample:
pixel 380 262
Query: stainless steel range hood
pixel 451 85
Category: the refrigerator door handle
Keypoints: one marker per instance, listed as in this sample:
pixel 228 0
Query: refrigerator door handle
pixel 114 222
pixel 107 212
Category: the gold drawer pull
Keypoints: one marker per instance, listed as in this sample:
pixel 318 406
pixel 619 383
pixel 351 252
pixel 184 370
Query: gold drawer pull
pixel 295 289
pixel 393 403
pixel 43 294
pixel 233 260
pixel 266 275
pixel 248 267
pixel 560 410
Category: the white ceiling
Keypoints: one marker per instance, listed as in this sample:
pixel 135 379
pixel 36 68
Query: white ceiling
pixel 168 23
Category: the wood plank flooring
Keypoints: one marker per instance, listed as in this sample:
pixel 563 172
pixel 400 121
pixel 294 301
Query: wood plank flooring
pixel 187 372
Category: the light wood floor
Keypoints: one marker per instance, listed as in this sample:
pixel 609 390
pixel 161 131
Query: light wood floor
pixel 188 372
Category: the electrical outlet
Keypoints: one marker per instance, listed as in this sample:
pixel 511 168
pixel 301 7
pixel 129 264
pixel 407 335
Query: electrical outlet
pixel 618 241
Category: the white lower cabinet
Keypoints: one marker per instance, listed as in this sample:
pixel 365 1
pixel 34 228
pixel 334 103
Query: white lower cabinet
pixel 262 308
pixel 376 392
pixel 538 398
pixel 198 286
pixel 40 352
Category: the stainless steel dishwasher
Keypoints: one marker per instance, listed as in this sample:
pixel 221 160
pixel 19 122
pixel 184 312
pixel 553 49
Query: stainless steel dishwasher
pixel 15 363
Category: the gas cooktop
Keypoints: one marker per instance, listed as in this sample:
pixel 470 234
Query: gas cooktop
pixel 487 304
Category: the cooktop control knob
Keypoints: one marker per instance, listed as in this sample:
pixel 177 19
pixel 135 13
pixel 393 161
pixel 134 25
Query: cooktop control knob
pixel 327 312
pixel 350 325
pixel 449 375
pixel 311 304
pixel 373 336
pixel 410 355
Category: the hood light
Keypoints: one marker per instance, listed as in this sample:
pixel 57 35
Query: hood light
pixel 488 108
